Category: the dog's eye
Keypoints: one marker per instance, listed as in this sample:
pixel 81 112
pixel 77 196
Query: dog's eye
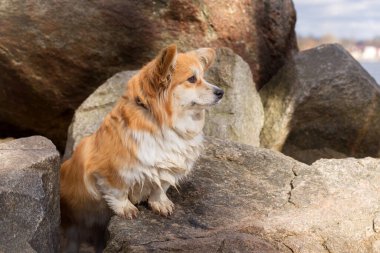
pixel 192 79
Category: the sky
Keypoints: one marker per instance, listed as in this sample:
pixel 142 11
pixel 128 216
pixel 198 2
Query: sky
pixel 351 19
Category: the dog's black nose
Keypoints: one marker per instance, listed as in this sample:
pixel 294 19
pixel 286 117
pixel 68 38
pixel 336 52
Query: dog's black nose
pixel 219 93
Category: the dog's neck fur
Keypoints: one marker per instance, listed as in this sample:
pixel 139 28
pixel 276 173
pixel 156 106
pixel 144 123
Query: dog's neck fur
pixel 189 123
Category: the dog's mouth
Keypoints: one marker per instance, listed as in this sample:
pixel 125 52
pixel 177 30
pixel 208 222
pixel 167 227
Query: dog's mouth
pixel 217 101
pixel 206 105
pixel 218 95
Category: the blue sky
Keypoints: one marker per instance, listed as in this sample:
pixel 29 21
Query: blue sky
pixel 356 19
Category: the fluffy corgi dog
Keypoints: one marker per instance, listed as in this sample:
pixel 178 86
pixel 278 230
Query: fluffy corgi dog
pixel 148 142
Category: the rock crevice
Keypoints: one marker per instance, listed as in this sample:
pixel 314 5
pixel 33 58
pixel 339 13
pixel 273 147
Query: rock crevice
pixel 291 184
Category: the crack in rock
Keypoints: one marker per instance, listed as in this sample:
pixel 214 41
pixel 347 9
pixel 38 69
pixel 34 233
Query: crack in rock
pixel 292 187
pixel 288 247
pixel 324 245
pixel 376 222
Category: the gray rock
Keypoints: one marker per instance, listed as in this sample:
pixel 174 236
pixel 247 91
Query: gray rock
pixel 335 208
pixel 29 196
pixel 231 183
pixel 255 199
pixel 240 115
pixel 322 99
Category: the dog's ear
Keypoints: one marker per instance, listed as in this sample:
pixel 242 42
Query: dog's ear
pixel 206 56
pixel 164 65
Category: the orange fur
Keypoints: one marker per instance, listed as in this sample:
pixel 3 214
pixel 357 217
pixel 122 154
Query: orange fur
pixel 101 171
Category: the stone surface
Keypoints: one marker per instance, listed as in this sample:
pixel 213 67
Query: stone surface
pixel 322 99
pixel 240 115
pixel 29 196
pixel 335 205
pixel 53 54
pixel 230 183
pixel 257 200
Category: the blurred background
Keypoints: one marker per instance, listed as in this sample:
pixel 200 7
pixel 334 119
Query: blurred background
pixel 353 23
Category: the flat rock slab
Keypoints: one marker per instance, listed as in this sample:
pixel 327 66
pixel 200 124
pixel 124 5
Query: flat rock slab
pixel 333 207
pixel 246 199
pixel 231 182
pixel 29 196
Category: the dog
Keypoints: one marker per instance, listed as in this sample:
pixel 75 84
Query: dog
pixel 147 143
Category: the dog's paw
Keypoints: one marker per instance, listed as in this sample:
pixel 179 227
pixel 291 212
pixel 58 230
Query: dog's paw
pixel 128 211
pixel 164 207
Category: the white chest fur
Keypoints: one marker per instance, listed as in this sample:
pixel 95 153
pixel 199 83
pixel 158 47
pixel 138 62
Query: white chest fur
pixel 166 156
pixel 174 148
pixel 167 150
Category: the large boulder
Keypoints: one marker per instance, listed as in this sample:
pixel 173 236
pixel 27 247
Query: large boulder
pixel 322 100
pixel 238 117
pixel 230 184
pixel 334 206
pixel 247 199
pixel 29 196
pixel 53 54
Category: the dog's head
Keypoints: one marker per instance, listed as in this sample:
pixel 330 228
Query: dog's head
pixel 190 89
pixel 174 83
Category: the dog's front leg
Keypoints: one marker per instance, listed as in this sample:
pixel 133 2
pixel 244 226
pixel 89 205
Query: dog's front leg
pixel 122 207
pixel 159 202
pixel 117 199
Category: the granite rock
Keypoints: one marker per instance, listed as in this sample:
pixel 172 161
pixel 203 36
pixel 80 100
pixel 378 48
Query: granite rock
pixel 323 98
pixel 29 196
